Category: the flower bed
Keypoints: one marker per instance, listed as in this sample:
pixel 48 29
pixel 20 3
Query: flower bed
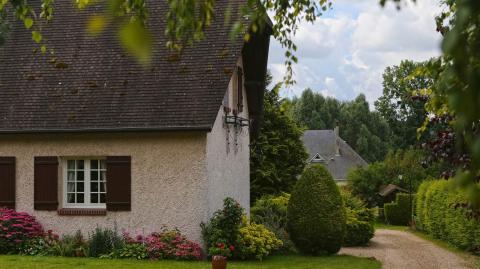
pixel 20 233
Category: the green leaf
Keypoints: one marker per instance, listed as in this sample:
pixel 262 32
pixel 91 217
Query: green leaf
pixel 96 24
pixel 36 36
pixel 43 49
pixel 28 23
pixel 137 40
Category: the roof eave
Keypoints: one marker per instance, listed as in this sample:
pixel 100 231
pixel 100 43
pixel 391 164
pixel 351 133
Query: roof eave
pixel 200 128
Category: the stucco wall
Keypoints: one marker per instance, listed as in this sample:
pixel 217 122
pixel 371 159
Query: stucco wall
pixel 228 159
pixel 169 184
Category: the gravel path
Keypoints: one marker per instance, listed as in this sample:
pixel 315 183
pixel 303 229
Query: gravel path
pixel 403 250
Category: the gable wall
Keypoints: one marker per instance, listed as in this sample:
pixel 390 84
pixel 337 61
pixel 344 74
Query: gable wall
pixel 168 178
pixel 228 159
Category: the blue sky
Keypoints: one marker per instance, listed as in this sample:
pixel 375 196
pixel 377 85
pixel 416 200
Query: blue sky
pixel 345 52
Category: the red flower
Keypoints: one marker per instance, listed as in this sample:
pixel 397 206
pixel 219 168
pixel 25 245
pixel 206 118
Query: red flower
pixel 232 248
pixel 221 245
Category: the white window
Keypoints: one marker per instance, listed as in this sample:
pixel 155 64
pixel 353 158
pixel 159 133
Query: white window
pixel 84 184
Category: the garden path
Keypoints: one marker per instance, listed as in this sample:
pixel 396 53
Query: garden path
pixel 403 250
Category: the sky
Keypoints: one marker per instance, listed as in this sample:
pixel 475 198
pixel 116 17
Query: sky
pixel 345 52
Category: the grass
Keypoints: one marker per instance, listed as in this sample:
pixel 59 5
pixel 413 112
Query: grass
pixel 391 227
pixel 277 262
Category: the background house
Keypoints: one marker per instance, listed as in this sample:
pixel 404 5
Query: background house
pixel 89 137
pixel 328 148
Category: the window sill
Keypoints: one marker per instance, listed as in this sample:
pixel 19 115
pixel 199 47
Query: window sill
pixel 82 212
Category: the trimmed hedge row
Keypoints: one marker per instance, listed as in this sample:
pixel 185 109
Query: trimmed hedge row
pixel 400 211
pixel 437 215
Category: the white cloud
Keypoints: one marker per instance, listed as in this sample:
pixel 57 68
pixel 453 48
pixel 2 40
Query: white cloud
pixel 345 53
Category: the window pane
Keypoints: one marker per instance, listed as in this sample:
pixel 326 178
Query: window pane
pixel 71 165
pixel 80 176
pixel 102 164
pixel 94 175
pixel 80 198
pixel 70 187
pixel 71 198
pixel 80 186
pixel 71 176
pixel 102 198
pixel 94 186
pixel 94 164
pixel 94 198
pixel 80 164
pixel 103 175
pixel 102 186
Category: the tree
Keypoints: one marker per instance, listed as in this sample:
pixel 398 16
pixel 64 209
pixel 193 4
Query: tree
pixel 277 155
pixel 453 97
pixel 404 113
pixel 365 182
pixel 366 131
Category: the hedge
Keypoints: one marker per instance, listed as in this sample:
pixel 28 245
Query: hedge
pixel 437 215
pixel 400 211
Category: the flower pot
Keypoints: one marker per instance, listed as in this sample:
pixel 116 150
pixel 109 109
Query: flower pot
pixel 219 262
pixel 79 253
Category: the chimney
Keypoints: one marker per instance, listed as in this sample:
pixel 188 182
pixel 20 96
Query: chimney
pixel 337 138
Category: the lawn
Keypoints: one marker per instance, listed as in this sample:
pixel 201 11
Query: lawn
pixel 391 227
pixel 278 262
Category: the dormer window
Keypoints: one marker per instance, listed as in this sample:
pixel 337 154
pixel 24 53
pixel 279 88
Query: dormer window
pixel 317 159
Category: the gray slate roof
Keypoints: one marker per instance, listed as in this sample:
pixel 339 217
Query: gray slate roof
pixel 93 85
pixel 322 142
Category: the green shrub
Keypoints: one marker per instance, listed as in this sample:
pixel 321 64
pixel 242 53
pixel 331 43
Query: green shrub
pixel 268 207
pixel 104 242
pixel 360 220
pixel 358 232
pixel 271 211
pixel 358 206
pixel 38 246
pixel 224 226
pixel 400 211
pixel 316 217
pixel 439 216
pixel 256 242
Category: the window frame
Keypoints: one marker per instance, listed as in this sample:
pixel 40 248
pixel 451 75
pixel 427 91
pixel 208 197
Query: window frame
pixel 87 184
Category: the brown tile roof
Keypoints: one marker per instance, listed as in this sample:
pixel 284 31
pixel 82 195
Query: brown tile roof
pixel 390 188
pixel 93 85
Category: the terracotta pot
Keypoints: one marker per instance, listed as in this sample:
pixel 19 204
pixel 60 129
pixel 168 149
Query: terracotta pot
pixel 79 253
pixel 219 262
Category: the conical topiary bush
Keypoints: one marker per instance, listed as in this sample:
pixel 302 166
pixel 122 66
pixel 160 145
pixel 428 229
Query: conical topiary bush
pixel 316 217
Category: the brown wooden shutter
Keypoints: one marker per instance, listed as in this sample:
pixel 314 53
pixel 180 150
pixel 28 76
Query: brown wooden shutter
pixel 240 89
pixel 7 182
pixel 46 183
pixel 119 181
